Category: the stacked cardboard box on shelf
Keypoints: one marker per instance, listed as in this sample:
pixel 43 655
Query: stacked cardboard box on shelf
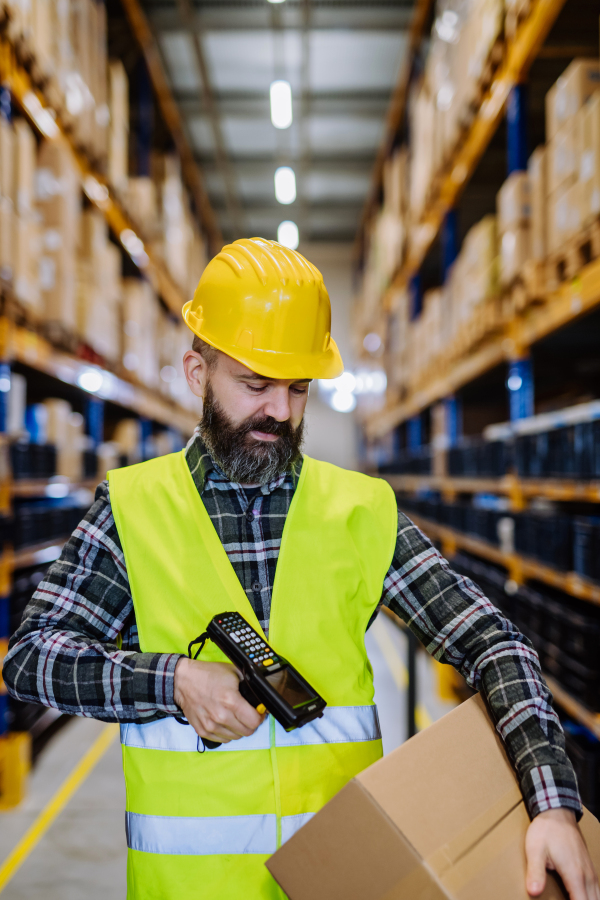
pixel 569 129
pixel 514 225
pixel 98 287
pixel 463 43
pixel 58 197
pixel 463 311
pixel 64 44
pixel 27 224
pixel 118 133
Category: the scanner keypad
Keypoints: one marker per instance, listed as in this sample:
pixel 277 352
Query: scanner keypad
pixel 254 647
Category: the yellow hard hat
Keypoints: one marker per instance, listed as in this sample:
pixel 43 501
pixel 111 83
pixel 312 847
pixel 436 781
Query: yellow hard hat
pixel 267 307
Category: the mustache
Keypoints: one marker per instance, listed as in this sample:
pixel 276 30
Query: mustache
pixel 268 425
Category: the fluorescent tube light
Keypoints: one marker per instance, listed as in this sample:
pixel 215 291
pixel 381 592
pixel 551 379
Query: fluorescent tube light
pixel 287 234
pixel 281 104
pixel 285 185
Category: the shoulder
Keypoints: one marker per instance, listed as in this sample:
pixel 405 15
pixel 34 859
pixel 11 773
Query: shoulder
pixel 328 473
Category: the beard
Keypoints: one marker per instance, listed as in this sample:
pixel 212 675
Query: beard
pixel 242 458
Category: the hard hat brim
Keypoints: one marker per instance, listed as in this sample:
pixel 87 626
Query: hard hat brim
pixel 275 364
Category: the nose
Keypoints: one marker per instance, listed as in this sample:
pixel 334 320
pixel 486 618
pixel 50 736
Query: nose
pixel 278 404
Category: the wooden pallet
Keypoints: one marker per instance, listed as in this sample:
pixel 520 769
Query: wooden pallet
pixel 581 249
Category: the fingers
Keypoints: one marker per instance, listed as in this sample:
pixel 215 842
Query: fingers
pixel 246 714
pixel 536 871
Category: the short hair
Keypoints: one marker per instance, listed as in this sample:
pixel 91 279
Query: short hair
pixel 208 353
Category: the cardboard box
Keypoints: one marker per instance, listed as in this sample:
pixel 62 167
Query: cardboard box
pixel 513 202
pixel 65 429
pixel 589 162
pixel 7 237
pixel 515 250
pixel 566 97
pixel 7 157
pixel 564 216
pixel 27 250
pixel 440 818
pixel 538 184
pixel 562 160
pixel 58 199
pixel 24 167
pixel 118 136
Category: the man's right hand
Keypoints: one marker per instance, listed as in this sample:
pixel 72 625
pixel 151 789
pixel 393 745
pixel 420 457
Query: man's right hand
pixel 208 695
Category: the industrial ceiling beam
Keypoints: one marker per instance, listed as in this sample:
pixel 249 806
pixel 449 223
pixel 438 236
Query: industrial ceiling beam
pixel 170 113
pixel 367 105
pixel 165 19
pixel 252 164
pixel 234 208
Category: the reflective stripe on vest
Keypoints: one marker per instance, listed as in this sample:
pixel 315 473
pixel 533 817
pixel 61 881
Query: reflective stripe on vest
pixel 202 836
pixel 340 724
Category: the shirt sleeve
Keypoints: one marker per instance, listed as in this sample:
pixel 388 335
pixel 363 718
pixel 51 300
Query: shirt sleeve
pixel 458 625
pixel 77 647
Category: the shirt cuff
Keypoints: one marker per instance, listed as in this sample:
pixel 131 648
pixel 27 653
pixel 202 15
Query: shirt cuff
pixel 551 787
pixel 154 683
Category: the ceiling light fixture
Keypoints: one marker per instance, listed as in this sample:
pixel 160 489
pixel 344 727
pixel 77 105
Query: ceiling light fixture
pixel 287 234
pixel 285 185
pixel 281 104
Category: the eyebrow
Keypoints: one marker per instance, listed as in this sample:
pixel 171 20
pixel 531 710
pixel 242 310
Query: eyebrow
pixel 256 377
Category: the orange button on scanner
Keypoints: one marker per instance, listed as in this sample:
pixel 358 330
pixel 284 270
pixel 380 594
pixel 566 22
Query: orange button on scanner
pixel 261 708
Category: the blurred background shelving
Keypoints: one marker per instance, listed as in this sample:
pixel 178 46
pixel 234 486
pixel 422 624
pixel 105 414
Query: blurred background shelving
pixel 478 295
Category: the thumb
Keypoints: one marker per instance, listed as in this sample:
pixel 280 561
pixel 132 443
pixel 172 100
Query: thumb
pixel 536 869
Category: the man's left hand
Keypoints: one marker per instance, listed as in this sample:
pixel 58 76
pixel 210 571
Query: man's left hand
pixel 554 842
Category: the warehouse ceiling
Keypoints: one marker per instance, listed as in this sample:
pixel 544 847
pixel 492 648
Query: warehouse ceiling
pixel 341 58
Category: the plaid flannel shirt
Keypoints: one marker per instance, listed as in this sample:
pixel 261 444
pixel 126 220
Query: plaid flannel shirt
pixel 67 652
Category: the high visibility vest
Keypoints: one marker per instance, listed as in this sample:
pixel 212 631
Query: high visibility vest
pixel 203 824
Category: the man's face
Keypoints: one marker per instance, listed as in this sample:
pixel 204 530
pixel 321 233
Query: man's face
pixel 252 425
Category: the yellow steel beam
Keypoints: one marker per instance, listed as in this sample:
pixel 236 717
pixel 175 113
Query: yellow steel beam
pixel 552 489
pixel 520 53
pixel 569 582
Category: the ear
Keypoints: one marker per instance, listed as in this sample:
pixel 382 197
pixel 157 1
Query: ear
pixel 196 372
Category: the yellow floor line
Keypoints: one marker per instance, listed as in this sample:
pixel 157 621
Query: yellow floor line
pixel 397 668
pixel 55 806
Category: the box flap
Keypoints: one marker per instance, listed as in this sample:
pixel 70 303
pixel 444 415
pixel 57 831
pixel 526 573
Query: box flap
pixel 448 785
pixel 351 851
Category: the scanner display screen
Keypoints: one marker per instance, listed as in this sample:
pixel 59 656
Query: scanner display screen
pixel 287 686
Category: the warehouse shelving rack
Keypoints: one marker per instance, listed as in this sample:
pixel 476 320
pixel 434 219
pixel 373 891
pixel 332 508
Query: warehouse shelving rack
pixel 47 122
pixel 514 332
pixel 25 346
pixel 570 301
pixel 519 54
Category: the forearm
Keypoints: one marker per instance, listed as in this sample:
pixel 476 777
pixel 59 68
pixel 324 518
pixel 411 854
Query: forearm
pixel 520 704
pixel 458 625
pixel 85 677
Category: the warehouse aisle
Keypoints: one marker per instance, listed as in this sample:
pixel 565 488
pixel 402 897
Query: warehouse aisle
pixel 83 853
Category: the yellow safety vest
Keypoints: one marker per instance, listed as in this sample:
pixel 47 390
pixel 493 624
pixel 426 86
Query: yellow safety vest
pixel 202 825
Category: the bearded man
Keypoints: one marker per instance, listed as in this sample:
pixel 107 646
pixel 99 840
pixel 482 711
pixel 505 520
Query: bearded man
pixel 307 553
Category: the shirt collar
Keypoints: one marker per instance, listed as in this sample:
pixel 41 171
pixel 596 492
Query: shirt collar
pixel 203 467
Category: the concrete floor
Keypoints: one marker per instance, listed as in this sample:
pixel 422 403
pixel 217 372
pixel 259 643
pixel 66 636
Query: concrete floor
pixel 83 854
